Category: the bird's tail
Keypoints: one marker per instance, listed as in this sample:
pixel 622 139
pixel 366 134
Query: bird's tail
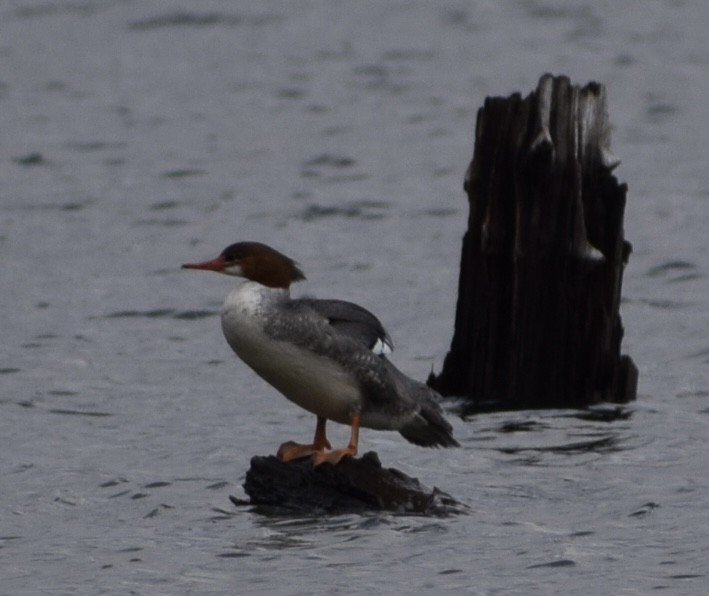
pixel 425 425
pixel 429 428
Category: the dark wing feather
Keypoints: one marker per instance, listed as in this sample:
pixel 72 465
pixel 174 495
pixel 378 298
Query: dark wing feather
pixel 351 320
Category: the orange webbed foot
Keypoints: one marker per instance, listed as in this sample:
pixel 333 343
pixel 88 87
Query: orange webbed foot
pixel 321 456
pixel 333 457
pixel 318 449
pixel 291 450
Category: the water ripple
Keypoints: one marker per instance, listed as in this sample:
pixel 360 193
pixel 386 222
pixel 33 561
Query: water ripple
pixel 161 313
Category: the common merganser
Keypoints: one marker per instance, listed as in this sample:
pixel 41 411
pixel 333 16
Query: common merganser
pixel 327 356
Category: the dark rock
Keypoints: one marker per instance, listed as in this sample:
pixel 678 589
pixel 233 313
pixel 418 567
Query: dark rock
pixel 355 485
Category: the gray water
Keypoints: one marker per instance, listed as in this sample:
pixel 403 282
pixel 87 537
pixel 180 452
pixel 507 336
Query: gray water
pixel 138 135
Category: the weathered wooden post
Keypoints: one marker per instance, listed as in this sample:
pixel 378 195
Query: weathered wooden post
pixel 537 321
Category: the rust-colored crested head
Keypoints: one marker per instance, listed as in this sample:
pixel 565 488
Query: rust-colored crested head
pixel 255 261
pixel 261 263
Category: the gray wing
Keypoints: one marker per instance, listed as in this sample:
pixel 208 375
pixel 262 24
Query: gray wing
pixel 354 322
pixel 347 334
pixel 350 334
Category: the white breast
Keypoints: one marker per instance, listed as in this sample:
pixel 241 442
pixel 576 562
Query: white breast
pixel 314 382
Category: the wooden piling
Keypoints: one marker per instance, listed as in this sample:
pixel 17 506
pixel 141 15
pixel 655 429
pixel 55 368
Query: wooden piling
pixel 537 321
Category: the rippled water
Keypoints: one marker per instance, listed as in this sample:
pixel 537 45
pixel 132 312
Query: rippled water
pixel 135 136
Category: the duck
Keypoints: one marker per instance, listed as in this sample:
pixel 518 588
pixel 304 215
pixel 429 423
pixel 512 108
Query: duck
pixel 328 356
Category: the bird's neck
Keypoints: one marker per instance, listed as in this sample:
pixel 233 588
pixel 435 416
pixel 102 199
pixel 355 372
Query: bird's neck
pixel 254 298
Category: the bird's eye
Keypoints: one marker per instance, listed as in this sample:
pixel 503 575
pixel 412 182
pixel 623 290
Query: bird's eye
pixel 236 252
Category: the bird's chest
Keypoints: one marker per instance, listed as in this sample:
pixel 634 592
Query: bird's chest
pixel 314 382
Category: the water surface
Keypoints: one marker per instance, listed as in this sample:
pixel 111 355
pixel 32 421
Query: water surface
pixel 140 135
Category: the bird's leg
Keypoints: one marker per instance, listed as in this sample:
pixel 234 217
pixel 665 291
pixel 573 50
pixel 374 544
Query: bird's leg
pixel 320 442
pixel 336 455
pixel 292 450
